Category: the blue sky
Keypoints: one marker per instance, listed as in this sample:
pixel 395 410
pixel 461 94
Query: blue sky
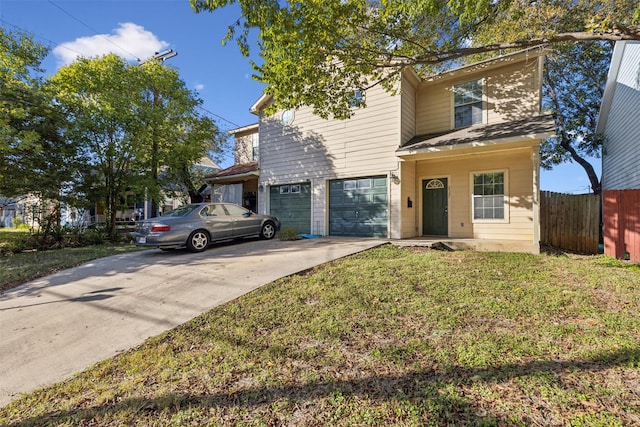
pixel 136 29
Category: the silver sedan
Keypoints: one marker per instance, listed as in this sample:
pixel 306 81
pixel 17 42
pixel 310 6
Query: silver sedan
pixel 197 225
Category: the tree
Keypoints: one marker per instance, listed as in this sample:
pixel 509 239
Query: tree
pixel 130 122
pixel 181 176
pixel 574 79
pixel 317 52
pixel 33 156
pixel 178 135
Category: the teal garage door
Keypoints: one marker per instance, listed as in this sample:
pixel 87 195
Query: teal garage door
pixel 291 203
pixel 358 207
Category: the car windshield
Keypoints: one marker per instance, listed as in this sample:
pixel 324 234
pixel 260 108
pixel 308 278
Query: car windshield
pixel 181 211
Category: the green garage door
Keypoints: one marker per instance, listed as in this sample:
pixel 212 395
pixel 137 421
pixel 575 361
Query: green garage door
pixel 292 205
pixel 358 207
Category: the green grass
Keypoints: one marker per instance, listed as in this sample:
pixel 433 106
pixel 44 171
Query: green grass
pixel 21 267
pixel 390 336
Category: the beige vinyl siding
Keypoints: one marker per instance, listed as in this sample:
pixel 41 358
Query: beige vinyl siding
pixel 459 170
pixel 408 105
pixel 409 227
pixel 433 108
pixel 511 92
pixel 621 154
pixel 319 150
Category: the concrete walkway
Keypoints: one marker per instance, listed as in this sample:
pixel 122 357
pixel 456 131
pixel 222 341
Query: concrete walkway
pixel 62 324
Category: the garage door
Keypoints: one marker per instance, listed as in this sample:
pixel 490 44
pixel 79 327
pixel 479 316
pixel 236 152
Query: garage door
pixel 292 205
pixel 358 207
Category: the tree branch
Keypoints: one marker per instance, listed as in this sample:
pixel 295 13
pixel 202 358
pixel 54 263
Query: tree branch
pixel 617 34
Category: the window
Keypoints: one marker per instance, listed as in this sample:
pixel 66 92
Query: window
pixel 284 189
pixel 357 99
pixel 489 196
pixel 364 183
pixel 255 150
pixel 295 189
pixel 349 185
pixel 213 210
pixel 234 210
pixel 467 102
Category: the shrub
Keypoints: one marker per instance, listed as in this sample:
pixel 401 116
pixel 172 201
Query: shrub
pixel 289 234
pixel 17 222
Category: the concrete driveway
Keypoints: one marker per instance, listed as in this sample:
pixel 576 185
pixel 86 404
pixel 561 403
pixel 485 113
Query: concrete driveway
pixel 61 324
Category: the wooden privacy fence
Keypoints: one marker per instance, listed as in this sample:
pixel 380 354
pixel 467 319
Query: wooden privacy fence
pixel 570 221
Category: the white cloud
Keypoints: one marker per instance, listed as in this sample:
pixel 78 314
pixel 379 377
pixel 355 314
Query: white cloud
pixel 129 40
pixel 199 87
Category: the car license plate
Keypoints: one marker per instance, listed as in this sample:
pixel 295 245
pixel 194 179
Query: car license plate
pixel 142 240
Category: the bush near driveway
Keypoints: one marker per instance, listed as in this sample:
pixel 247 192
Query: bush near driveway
pixel 390 336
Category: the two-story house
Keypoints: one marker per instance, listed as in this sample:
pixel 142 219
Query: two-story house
pixel 618 122
pixel 452 156
pixel 239 183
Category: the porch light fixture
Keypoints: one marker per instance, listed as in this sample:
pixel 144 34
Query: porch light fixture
pixel 394 178
pixel 260 187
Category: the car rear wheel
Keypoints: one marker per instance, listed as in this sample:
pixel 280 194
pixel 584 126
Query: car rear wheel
pixel 198 241
pixel 268 231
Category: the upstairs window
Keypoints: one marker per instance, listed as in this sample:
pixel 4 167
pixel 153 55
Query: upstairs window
pixel 489 196
pixel 357 99
pixel 467 102
pixel 255 147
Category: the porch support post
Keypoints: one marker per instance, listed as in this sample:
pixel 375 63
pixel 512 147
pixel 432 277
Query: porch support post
pixel 536 195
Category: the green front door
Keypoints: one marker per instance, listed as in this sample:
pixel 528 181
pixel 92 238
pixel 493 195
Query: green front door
pixel 435 215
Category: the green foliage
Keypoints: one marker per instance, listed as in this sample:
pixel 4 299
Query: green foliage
pixel 288 234
pixel 574 81
pixel 17 222
pixel 128 136
pixel 317 52
pixel 33 154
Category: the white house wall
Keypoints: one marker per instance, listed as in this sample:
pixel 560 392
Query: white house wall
pixel 317 150
pixel 621 155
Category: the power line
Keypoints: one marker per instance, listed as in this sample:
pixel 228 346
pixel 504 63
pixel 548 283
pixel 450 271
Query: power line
pixel 110 41
pixel 41 37
pixel 220 117
pixel 94 31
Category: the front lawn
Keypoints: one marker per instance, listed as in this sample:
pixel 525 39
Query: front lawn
pixel 17 267
pixel 391 336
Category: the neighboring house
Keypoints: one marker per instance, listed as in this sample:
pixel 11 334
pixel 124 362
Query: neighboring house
pixel 24 209
pixel 453 156
pixel 239 183
pixel 618 122
pixel 134 207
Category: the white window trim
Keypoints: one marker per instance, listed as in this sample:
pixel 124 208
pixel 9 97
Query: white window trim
pixel 485 113
pixel 507 213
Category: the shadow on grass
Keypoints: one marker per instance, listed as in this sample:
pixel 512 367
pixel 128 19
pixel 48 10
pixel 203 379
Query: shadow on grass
pixel 424 389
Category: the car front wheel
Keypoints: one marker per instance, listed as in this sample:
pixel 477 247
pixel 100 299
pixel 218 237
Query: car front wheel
pixel 268 230
pixel 198 241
